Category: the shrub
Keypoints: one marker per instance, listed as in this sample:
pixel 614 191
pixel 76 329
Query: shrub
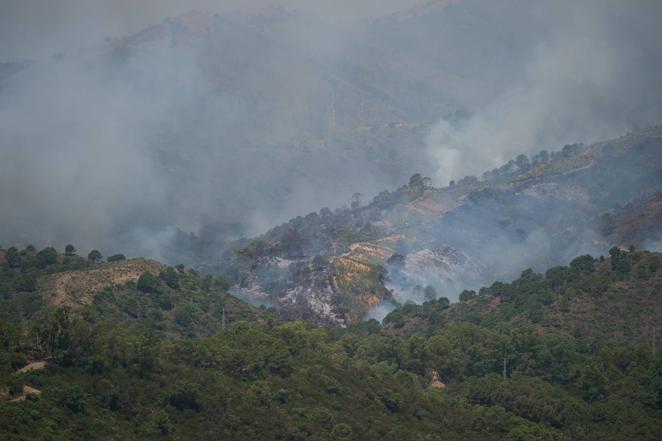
pixel 170 277
pixel 26 283
pixel 184 396
pixel 467 295
pixel 47 256
pixel 116 258
pixel 13 258
pixel 149 283
pixel 95 256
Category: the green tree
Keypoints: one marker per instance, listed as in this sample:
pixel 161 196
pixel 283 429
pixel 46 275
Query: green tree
pixel 184 395
pixel 13 258
pixel 70 250
pixel 416 180
pixel 116 258
pixel 619 260
pixel 170 277
pixel 148 283
pixel 95 256
pixel 26 282
pixel 467 295
pixel 51 332
pixel 47 256
pixel 341 432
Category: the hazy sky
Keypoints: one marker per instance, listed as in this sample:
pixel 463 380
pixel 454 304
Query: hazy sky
pixel 36 28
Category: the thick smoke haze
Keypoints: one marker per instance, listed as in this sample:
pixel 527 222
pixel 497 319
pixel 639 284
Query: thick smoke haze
pixel 594 74
pixel 40 28
pixel 226 125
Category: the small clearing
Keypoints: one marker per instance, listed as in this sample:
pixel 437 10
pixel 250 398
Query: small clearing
pixel 34 366
pixel 78 288
pixel 27 391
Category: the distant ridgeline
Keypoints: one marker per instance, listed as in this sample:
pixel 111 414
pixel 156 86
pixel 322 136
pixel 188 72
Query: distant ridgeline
pixel 419 242
pixel 136 350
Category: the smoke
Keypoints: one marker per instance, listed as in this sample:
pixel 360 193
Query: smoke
pixel 40 28
pixel 203 123
pixel 653 245
pixel 73 156
pixel 380 311
pixel 225 125
pixel 595 73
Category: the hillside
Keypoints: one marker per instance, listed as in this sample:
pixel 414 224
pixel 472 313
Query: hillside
pixel 565 355
pixel 532 212
pixel 578 301
pixel 139 293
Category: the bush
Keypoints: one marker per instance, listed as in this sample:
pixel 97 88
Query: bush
pixel 13 258
pixel 70 250
pixel 26 283
pixel 392 401
pixel 149 283
pixel 443 302
pixel 619 260
pixel 170 277
pixel 583 264
pixel 467 295
pixel 184 396
pixel 95 256
pixel 185 316
pixel 47 256
pixel 116 258
pixel 341 432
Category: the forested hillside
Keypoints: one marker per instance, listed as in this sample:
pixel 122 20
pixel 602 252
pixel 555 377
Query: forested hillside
pixel 347 220
pixel 557 356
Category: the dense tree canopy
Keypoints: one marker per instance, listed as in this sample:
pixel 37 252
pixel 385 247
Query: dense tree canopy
pixel 154 359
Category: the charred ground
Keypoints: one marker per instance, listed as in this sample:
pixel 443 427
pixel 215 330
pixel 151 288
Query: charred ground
pixel 532 212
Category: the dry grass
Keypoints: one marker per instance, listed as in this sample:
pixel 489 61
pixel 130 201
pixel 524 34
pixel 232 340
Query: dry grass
pixel 78 288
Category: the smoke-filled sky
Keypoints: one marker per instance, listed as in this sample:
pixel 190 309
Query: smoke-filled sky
pixel 230 125
pixel 30 28
pixel 596 74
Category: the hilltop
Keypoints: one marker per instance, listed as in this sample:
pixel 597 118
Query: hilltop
pixel 139 293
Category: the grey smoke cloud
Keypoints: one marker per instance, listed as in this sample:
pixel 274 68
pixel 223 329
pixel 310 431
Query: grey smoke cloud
pixel 120 145
pixel 595 73
pixel 40 28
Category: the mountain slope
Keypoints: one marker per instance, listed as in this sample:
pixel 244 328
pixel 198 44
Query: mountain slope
pixel 578 301
pixel 534 212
